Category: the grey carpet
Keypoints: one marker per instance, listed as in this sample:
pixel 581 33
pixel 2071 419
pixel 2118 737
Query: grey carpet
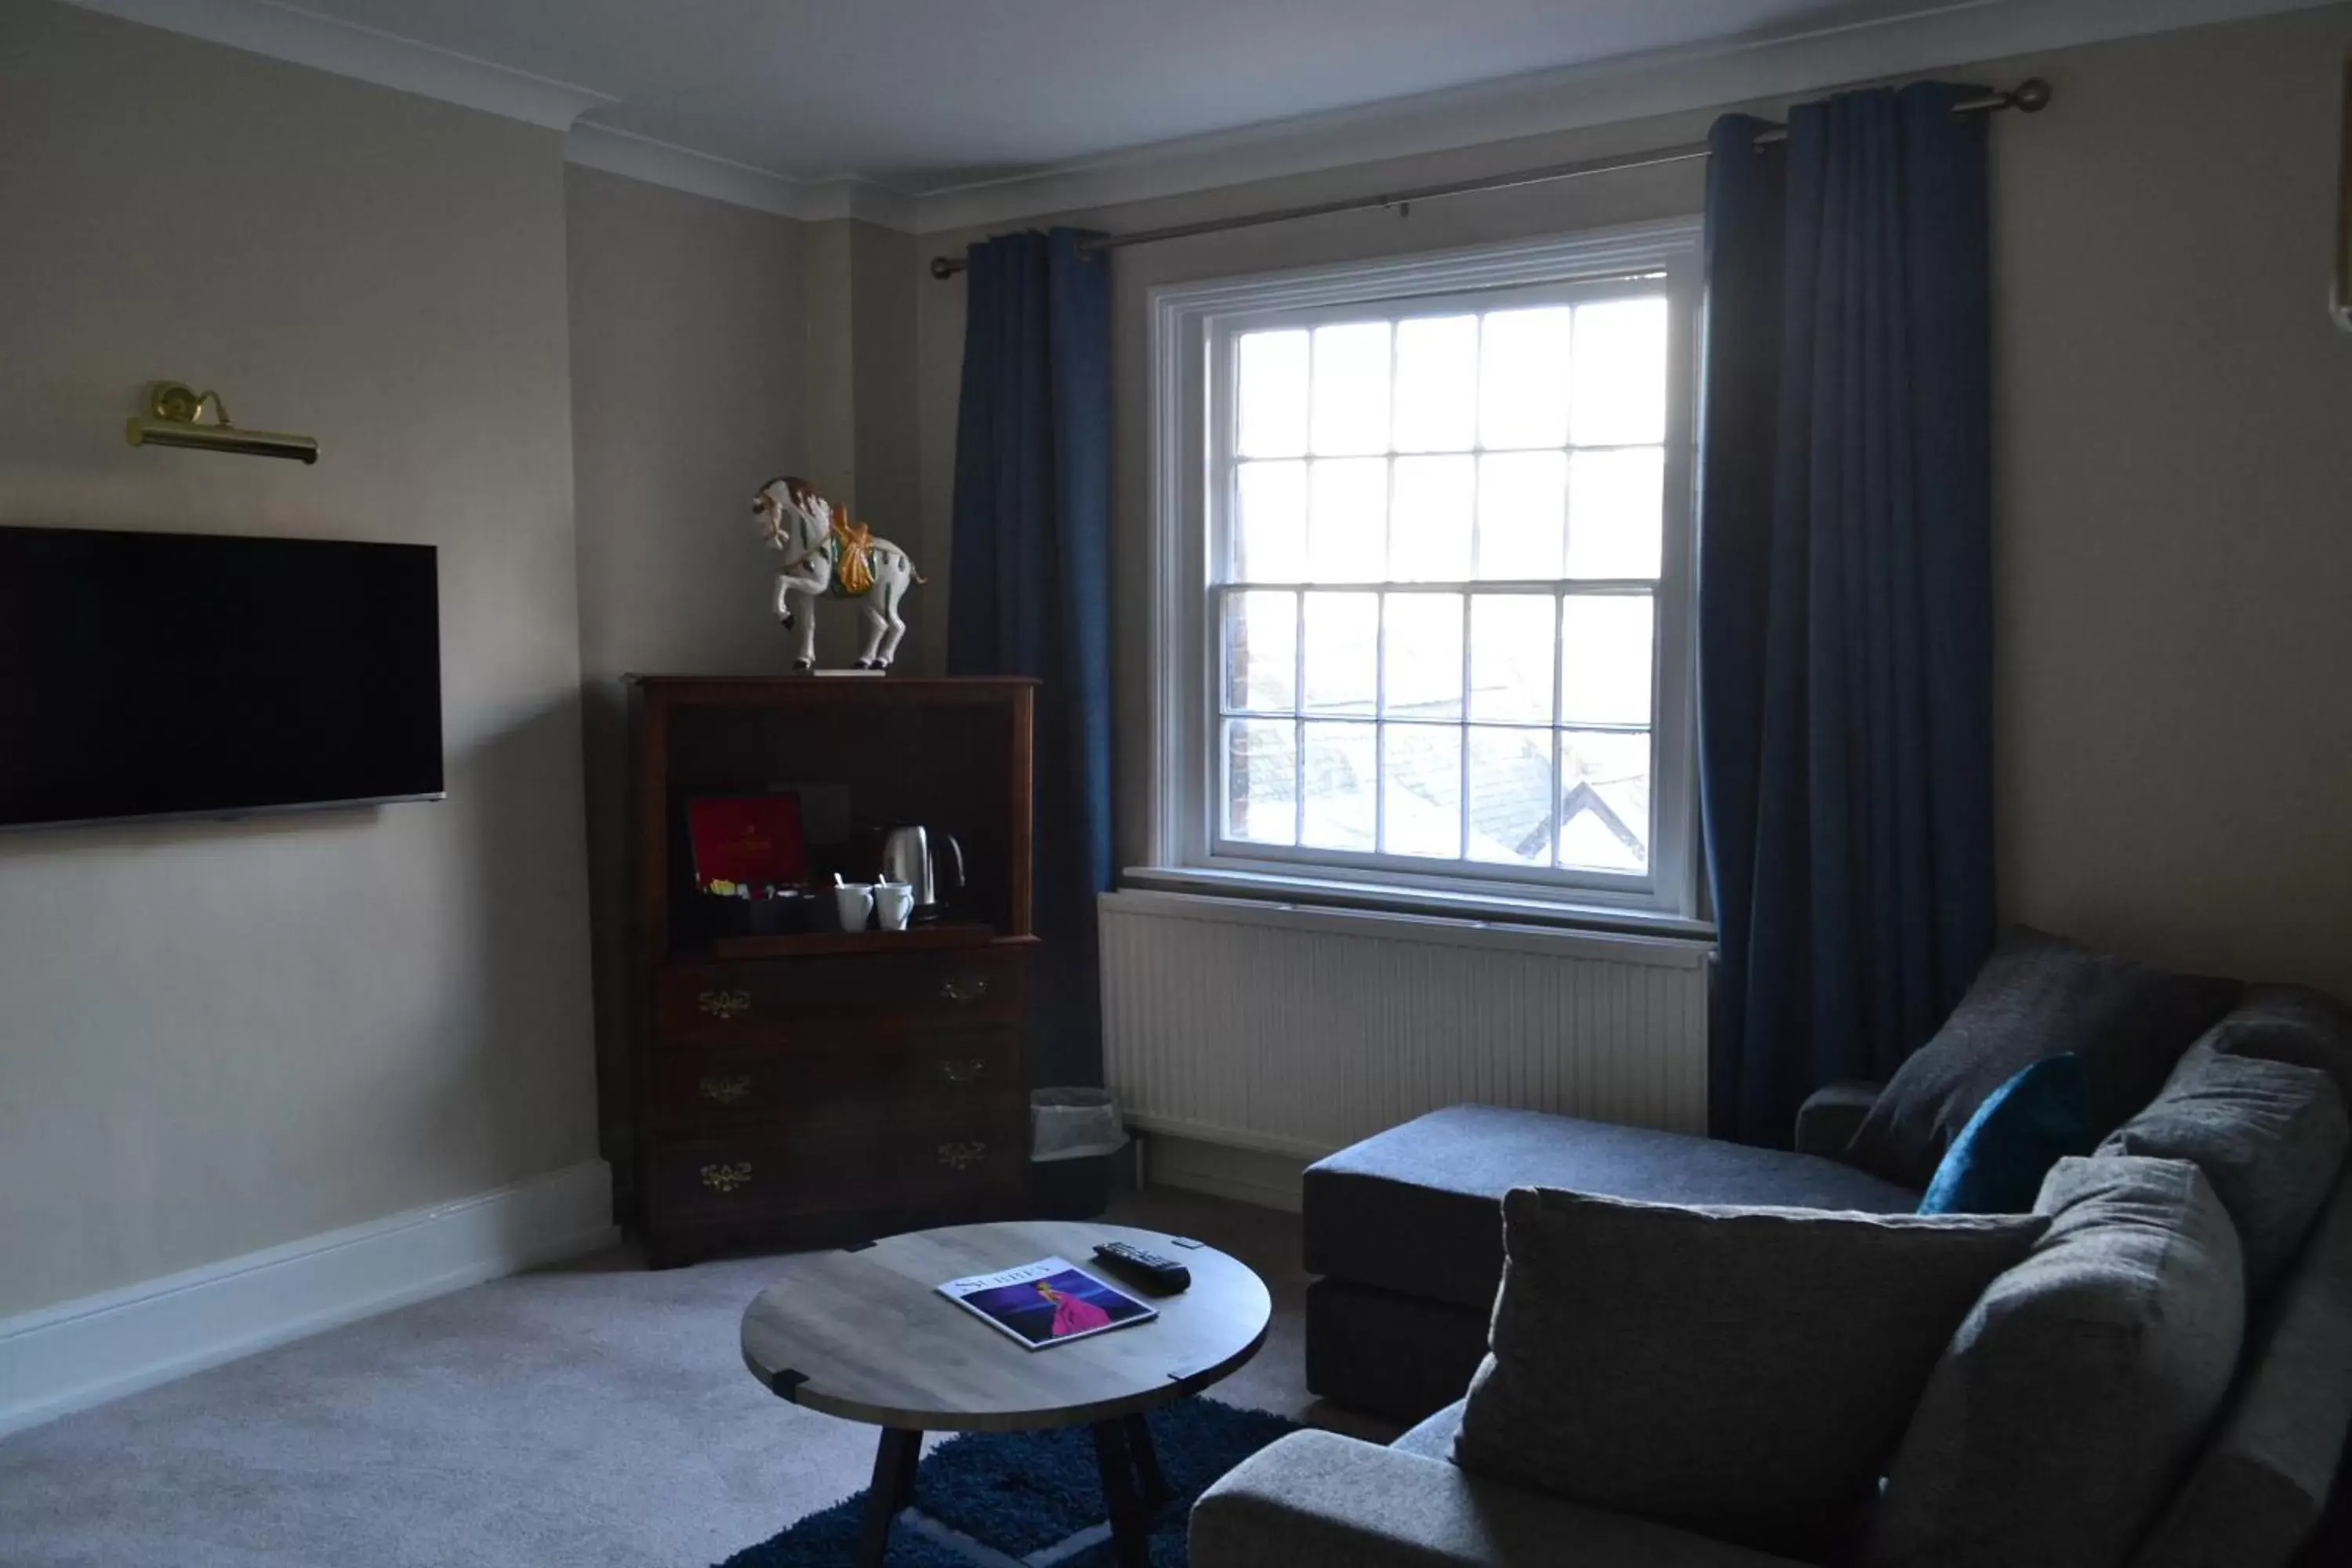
pixel 591 1415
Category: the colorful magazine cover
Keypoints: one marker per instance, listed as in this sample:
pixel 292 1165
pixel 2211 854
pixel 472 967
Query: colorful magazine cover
pixel 1047 1302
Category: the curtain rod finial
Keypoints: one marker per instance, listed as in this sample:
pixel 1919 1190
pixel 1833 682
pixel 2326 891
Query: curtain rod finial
pixel 2032 95
pixel 945 267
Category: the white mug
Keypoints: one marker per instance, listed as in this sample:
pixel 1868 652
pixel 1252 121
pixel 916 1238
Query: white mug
pixel 856 906
pixel 894 901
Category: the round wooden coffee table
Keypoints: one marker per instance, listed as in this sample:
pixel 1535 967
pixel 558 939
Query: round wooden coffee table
pixel 863 1334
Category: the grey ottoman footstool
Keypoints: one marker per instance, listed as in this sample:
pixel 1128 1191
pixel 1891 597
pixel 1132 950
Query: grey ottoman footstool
pixel 1406 1231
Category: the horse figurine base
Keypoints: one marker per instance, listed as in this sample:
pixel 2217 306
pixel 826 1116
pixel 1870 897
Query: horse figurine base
pixel 828 557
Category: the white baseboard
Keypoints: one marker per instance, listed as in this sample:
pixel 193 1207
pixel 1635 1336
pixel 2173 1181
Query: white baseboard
pixel 81 1353
pixel 1268 1179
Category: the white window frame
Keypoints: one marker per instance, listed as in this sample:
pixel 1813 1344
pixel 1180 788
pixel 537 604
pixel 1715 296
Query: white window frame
pixel 1188 323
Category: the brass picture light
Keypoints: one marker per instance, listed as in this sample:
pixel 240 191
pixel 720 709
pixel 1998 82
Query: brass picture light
pixel 175 417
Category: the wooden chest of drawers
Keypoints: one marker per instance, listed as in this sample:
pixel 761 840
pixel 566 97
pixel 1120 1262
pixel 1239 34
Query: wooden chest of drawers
pixel 876 1091
pixel 838 1087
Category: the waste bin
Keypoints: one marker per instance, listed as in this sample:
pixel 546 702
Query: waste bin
pixel 1074 1134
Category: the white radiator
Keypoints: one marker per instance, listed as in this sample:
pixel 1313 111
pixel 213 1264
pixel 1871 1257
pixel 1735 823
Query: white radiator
pixel 1298 1031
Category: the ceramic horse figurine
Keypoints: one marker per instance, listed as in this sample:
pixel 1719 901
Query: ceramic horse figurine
pixel 826 556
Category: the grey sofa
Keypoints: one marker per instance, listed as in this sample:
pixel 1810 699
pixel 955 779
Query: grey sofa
pixel 1404 1230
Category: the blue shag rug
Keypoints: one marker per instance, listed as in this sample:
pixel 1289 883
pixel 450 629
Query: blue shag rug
pixel 1031 1496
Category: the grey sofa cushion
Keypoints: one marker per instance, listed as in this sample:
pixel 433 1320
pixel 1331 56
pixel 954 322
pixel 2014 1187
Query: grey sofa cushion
pixel 2077 1388
pixel 2290 1023
pixel 1827 1120
pixel 2261 1483
pixel 1317 1499
pixel 1432 1437
pixel 1723 1366
pixel 1417 1209
pixel 2269 1135
pixel 2037 996
pixel 1391 1354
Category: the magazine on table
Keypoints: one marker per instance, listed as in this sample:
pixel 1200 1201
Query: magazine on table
pixel 1049 1302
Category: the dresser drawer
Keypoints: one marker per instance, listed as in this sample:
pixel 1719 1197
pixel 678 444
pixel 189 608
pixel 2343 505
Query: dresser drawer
pixel 890 1075
pixel 813 1000
pixel 783 1171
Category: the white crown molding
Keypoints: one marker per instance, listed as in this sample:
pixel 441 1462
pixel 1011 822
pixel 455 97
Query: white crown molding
pixel 618 151
pixel 84 1353
pixel 860 199
pixel 344 49
pixel 596 145
pixel 288 33
pixel 1603 92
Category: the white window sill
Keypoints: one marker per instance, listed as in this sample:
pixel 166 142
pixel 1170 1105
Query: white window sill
pixel 1331 893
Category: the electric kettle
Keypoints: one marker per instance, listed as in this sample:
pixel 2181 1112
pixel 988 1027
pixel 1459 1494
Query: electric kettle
pixel 908 856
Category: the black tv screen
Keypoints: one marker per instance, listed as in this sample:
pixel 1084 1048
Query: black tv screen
pixel 189 674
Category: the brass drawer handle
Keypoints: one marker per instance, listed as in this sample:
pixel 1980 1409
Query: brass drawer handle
pixel 964 988
pixel 727 1178
pixel 724 1003
pixel 963 1071
pixel 962 1156
pixel 726 1089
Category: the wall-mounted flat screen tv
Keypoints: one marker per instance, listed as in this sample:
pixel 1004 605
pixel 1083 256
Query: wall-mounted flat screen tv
pixel 205 674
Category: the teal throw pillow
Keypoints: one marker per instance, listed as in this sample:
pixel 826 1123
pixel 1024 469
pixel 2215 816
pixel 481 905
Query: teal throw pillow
pixel 2024 1127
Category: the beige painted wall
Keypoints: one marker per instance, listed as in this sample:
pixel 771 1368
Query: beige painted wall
pixel 862 450
pixel 2174 469
pixel 217 1037
pixel 2175 521
pixel 831 375
pixel 689 349
pixel 890 481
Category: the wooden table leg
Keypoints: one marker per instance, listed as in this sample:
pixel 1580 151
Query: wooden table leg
pixel 1129 1544
pixel 1148 1479
pixel 893 1488
pixel 910 1454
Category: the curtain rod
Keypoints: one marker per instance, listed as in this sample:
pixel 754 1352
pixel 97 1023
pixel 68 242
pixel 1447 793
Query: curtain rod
pixel 2029 97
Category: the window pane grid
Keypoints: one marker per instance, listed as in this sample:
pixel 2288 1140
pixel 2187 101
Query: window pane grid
pixel 1636 587
pixel 1287 716
pixel 1535 452
pixel 1292 516
pixel 1298 647
pixel 1341 774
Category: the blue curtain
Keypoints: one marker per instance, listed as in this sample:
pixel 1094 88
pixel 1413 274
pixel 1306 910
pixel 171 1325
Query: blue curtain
pixel 1845 725
pixel 1031 587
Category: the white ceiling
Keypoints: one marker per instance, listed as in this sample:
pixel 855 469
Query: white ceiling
pixel 917 95
pixel 929 114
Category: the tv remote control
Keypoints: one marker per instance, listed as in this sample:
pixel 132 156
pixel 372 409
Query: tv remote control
pixel 1164 1275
